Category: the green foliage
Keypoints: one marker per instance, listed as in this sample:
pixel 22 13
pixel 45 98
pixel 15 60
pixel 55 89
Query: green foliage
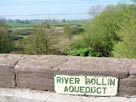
pixel 111 33
pixel 84 52
pixel 79 48
pixel 46 25
pixel 127 46
pixel 80 52
pixel 37 42
pixel 77 30
pixel 68 31
pixel 101 33
pixel 121 50
pixel 5 42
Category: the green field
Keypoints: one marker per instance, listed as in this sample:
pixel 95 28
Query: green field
pixel 111 33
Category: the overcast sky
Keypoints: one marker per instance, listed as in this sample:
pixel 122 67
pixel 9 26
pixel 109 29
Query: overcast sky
pixel 50 9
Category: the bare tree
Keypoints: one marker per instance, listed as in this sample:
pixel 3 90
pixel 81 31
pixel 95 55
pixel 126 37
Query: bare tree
pixel 134 1
pixel 95 10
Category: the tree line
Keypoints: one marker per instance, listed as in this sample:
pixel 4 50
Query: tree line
pixel 111 33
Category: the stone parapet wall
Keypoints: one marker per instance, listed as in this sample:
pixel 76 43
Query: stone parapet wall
pixel 21 95
pixel 37 72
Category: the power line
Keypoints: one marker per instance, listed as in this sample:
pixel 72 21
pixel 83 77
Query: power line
pixel 55 2
pixel 51 14
pixel 79 1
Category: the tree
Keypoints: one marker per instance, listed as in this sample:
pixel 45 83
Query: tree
pixel 46 25
pixel 111 33
pixel 68 31
pixel 134 1
pixel 101 31
pixel 127 46
pixel 6 44
pixel 38 42
pixel 63 20
pixel 95 10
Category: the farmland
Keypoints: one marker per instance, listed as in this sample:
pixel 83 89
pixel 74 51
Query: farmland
pixel 20 30
pixel 111 33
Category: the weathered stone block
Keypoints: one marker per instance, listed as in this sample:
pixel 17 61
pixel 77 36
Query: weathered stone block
pixel 7 72
pixel 132 69
pixel 127 86
pixel 96 66
pixel 35 80
pixel 37 72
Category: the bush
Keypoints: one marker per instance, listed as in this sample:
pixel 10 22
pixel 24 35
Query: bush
pixel 126 47
pixel 110 33
pixel 6 45
pixel 80 48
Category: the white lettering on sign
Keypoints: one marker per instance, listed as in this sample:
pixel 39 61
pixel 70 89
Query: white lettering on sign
pixel 86 85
